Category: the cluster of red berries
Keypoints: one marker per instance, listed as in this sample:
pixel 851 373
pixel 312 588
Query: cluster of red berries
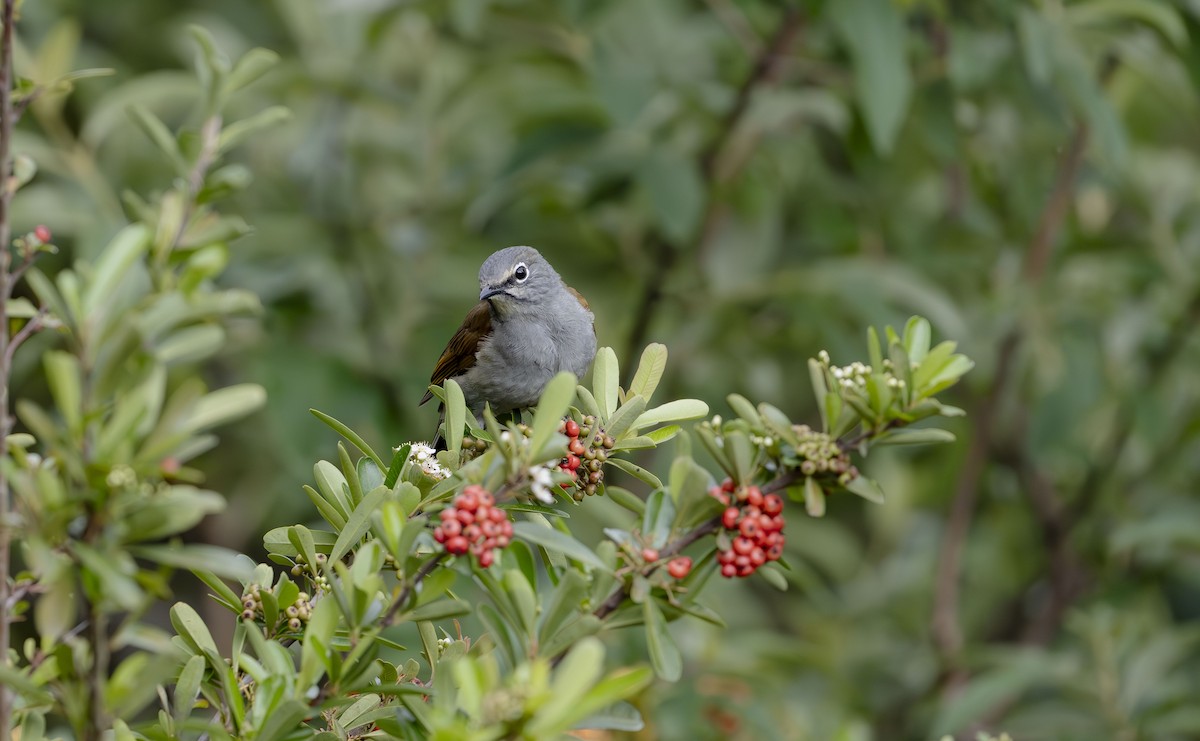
pixel 473 523
pixel 587 451
pixel 755 523
pixel 677 567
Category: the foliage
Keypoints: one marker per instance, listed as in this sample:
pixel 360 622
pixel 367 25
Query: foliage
pixel 748 181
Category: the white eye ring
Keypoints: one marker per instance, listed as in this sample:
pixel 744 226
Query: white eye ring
pixel 521 272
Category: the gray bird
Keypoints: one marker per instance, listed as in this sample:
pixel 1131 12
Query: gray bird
pixel 527 327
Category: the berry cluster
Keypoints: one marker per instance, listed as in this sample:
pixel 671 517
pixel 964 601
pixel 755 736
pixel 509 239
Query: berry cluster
pixel 472 448
pixel 296 614
pixel 822 454
pixel 319 579
pixel 587 451
pixel 754 521
pixel 474 523
pixel 677 567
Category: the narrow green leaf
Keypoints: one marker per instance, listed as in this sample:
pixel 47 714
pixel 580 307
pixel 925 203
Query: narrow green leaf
pixel 552 539
pixel 679 410
pixel 359 522
pixel 159 135
pixel 867 489
pixel 625 418
pixel 664 654
pixel 350 435
pixel 910 436
pixel 187 687
pixel 238 131
pixel 456 416
pixel 877 38
pixel 550 410
pixel 64 377
pixel 605 375
pixel 658 518
pixel 636 471
pixel 816 374
pixel 744 409
pixel 814 497
pixel 650 370
pixel 917 336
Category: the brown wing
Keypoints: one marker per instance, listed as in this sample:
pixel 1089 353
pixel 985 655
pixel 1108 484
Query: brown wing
pixel 582 301
pixel 459 354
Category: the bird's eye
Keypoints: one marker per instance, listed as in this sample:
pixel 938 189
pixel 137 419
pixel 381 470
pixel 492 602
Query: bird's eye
pixel 521 273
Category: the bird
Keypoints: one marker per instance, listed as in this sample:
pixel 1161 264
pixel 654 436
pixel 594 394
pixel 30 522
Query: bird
pixel 527 327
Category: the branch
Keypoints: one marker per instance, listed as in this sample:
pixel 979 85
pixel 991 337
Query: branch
pixel 36 323
pixel 947 630
pixel 6 124
pixel 409 587
pixel 664 256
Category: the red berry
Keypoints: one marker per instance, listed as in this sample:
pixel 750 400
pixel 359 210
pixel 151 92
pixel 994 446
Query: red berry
pixel 465 517
pixel 742 562
pixel 502 541
pixel 42 233
pixel 498 516
pixel 772 504
pixel 486 558
pixel 572 428
pixel 775 552
pixel 472 532
pixel 745 570
pixel 649 555
pixel 679 567
pixel 576 447
pixel 749 527
pixel 757 557
pixel 448 514
pixel 754 496
pixel 742 546
pixel 457 545
pixel 573 462
pixel 439 535
pixel 730 517
pixel 486 499
pixel 729 571
pixel 451 528
pixel 727 485
pixel 725 557
pixel 468 501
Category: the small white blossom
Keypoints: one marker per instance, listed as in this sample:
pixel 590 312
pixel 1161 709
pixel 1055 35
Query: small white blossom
pixel 540 485
pixel 426 457
pixel 823 356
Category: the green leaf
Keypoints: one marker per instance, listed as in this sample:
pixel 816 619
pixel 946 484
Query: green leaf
pixel 867 489
pixel 187 687
pixel 916 339
pixel 223 562
pixel 226 405
pixel 605 375
pixel 159 134
pixel 875 34
pixel 910 436
pixel 550 410
pixel 1162 17
pixel 814 497
pixel 742 453
pixel 744 409
pixel 673 411
pixel 662 434
pixel 636 471
pixel 66 386
pixel 191 628
pixel 579 670
pixel 874 353
pixel 238 131
pixel 664 654
pixel 625 419
pixel 456 416
pixel 650 370
pixel 252 65
pixel 626 499
pixel 552 539
pixel 816 374
pixel 565 602
pixel 350 435
pixel 359 522
pixel 658 518
pixel 283 720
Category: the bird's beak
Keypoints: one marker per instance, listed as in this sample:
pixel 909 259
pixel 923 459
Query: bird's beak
pixel 488 292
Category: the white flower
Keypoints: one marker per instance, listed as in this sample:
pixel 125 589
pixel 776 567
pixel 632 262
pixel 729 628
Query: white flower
pixel 540 486
pixel 823 356
pixel 426 457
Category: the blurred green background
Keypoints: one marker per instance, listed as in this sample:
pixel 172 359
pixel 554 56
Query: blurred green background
pixel 748 182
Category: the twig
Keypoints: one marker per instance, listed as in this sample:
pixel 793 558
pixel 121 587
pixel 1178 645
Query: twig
pixel 947 630
pixel 665 256
pixel 409 586
pixel 35 323
pixel 6 287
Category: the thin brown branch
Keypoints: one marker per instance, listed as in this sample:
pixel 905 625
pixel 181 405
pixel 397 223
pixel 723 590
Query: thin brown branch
pixel 35 324
pixel 410 586
pixel 946 625
pixel 664 255
pixel 6 285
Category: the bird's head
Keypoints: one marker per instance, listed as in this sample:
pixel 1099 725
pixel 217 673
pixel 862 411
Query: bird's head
pixel 516 280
